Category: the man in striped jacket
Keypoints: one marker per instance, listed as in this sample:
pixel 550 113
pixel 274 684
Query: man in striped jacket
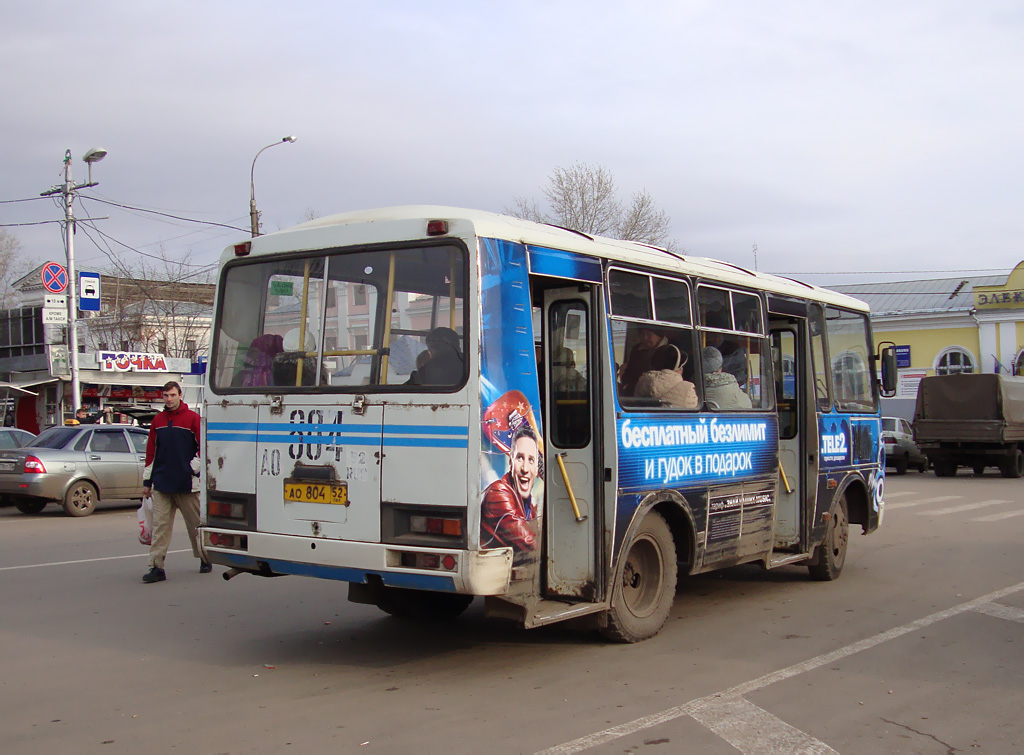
pixel 172 478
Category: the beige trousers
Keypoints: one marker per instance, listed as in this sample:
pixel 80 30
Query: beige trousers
pixel 164 505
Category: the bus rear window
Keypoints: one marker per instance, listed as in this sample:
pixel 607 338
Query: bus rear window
pixel 358 320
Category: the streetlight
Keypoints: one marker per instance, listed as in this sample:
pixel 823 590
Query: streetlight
pixel 67 191
pixel 254 217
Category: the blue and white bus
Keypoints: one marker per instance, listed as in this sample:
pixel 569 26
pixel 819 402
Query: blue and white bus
pixel 434 404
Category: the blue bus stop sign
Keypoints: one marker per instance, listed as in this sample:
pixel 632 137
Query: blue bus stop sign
pixel 89 292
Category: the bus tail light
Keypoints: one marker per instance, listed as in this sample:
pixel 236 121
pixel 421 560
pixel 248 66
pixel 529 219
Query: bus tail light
pixel 438 561
pixel 435 525
pixel 437 227
pixel 224 540
pixel 242 250
pixel 225 509
pixel 34 466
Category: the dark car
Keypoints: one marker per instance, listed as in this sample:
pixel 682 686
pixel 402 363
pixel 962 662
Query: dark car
pixel 900 450
pixel 75 466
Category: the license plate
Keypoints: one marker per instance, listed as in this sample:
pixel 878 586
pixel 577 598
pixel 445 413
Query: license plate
pixel 6 466
pixel 316 492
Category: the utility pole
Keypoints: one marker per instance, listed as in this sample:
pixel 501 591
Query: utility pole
pixel 67 191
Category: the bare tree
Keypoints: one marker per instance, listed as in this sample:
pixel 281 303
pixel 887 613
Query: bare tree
pixel 584 197
pixel 163 306
pixel 13 265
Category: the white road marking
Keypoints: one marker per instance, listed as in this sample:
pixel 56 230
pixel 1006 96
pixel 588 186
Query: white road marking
pixel 937 499
pixel 749 728
pixel 1000 611
pixel 900 494
pixel 687 709
pixel 88 560
pixel 962 507
pixel 997 517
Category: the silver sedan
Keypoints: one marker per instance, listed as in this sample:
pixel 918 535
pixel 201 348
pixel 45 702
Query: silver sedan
pixel 74 466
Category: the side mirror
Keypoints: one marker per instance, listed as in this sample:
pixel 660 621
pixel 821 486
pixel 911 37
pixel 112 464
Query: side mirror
pixel 890 372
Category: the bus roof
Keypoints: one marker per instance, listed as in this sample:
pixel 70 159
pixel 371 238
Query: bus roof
pixel 406 222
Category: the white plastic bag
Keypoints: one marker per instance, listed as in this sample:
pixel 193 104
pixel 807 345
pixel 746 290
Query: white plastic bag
pixel 146 521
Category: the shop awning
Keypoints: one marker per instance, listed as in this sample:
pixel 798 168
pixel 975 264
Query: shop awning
pixel 8 388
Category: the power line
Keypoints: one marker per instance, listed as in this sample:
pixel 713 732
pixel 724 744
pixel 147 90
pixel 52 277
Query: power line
pixel 38 222
pixel 13 201
pixel 166 214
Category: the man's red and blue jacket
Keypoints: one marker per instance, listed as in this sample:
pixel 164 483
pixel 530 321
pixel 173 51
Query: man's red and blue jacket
pixel 172 444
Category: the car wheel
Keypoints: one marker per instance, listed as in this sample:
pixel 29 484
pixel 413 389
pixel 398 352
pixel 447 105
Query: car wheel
pixel 30 506
pixel 901 463
pixel 925 465
pixel 80 500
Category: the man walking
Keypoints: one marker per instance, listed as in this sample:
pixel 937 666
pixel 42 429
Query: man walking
pixel 172 478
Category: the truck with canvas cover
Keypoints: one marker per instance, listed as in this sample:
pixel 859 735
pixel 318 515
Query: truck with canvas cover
pixel 970 420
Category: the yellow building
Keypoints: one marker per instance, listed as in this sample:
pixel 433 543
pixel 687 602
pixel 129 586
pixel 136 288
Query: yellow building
pixel 946 325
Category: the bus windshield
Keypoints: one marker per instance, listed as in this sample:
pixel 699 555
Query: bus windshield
pixel 355 320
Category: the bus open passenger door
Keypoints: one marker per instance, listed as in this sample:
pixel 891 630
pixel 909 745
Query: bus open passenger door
pixel 573 516
pixel 798 434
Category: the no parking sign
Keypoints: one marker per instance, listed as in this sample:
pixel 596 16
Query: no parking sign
pixel 55 277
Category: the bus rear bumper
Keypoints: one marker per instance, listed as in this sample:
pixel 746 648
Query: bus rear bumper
pixel 474 573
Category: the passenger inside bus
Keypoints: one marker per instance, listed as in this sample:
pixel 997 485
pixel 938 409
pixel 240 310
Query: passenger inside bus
pixel 721 390
pixel 565 378
pixel 665 382
pixel 445 365
pixel 639 360
pixel 257 368
pixel 285 368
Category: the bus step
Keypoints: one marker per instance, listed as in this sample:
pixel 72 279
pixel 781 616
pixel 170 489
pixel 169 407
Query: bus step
pixel 785 559
pixel 550 611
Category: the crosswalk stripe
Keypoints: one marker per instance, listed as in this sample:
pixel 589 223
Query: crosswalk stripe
pixel 936 499
pixel 1012 613
pixel 962 507
pixel 749 728
pixel 998 517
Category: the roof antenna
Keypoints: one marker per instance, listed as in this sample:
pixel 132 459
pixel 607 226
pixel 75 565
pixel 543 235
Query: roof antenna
pixel 755 257
pixel 957 289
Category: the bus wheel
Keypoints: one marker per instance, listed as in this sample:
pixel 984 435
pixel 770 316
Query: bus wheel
pixel 423 605
pixel 645 583
pixel 831 554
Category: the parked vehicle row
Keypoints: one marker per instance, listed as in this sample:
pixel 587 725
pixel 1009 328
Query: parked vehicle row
pixel 75 466
pixel 901 452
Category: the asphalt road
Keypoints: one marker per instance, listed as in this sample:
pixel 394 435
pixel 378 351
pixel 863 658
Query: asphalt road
pixel 917 648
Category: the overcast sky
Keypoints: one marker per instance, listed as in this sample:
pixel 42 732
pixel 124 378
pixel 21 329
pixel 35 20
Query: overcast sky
pixel 838 137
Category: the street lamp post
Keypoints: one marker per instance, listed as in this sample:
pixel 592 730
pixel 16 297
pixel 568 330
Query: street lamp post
pixel 254 217
pixel 67 191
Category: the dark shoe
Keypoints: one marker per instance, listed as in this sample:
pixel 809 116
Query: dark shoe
pixel 156 574
pixel 205 567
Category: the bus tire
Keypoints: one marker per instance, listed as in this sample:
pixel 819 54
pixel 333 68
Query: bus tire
pixel 422 605
pixel 830 556
pixel 645 583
